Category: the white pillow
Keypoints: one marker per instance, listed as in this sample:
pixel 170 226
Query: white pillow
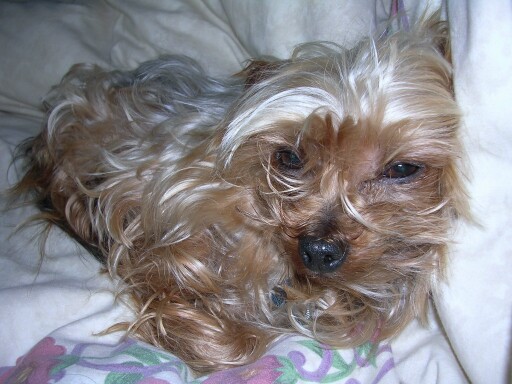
pixel 40 41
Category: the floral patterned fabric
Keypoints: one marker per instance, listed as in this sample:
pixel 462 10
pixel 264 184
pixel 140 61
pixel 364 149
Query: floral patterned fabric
pixel 291 360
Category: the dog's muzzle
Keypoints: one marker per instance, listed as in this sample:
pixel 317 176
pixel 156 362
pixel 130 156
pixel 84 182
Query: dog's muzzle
pixel 322 255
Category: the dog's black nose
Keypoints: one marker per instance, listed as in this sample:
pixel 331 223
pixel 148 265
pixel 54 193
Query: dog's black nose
pixel 321 255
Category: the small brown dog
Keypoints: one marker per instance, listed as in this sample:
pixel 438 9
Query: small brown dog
pixel 311 195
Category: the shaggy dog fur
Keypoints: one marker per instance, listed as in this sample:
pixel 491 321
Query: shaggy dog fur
pixel 310 195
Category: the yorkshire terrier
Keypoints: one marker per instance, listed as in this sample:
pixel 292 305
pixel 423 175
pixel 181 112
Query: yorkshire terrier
pixel 311 195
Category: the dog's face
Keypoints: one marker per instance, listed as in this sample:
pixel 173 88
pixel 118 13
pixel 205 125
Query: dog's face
pixel 350 169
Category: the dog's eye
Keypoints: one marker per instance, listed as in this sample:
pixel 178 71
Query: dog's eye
pixel 288 159
pixel 401 170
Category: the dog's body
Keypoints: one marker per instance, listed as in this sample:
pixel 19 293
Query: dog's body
pixel 312 195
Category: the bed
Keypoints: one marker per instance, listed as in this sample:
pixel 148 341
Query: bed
pixel 53 311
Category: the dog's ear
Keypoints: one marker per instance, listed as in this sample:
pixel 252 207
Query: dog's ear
pixel 441 39
pixel 438 31
pixel 258 70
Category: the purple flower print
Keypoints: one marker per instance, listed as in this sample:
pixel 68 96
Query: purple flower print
pixel 263 371
pixel 35 366
pixel 152 380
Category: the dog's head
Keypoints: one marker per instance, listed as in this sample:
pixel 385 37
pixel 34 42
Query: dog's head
pixel 350 159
